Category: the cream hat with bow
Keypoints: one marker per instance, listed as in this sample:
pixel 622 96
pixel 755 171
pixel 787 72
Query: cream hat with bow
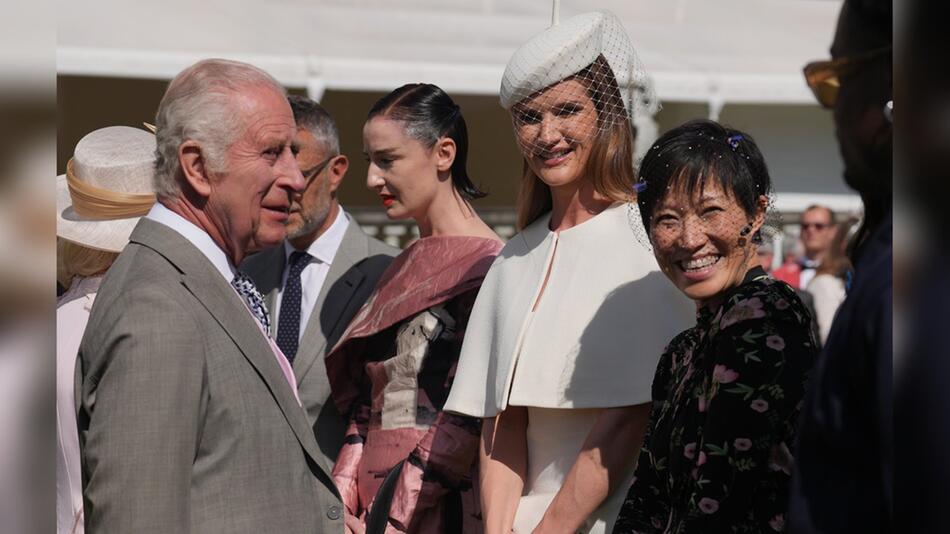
pixel 107 187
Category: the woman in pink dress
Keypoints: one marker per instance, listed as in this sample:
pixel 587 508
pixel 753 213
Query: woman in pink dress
pixel 407 466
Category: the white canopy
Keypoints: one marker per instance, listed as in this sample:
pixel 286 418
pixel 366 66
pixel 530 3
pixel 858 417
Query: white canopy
pixel 711 51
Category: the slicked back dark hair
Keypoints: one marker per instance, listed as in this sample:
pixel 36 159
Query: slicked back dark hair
pixel 687 157
pixel 429 114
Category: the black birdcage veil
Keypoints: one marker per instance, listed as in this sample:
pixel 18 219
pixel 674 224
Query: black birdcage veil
pixel 705 200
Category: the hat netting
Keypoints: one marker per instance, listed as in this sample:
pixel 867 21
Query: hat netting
pixel 707 204
pixel 580 77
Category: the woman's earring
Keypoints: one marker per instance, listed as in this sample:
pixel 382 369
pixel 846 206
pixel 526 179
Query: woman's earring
pixel 746 230
pixel 889 111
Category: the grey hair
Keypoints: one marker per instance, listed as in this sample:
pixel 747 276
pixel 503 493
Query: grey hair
pixel 311 116
pixel 199 105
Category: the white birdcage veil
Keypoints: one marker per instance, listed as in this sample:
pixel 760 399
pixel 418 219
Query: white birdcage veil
pixel 580 84
pixel 591 48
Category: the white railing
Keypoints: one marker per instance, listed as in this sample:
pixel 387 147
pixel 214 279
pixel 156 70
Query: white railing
pixel 401 233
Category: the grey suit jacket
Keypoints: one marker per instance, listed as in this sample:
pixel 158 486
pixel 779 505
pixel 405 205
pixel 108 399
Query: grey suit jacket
pixel 186 422
pixel 356 268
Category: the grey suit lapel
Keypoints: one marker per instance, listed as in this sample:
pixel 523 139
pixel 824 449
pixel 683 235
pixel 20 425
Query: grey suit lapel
pixel 343 279
pixel 223 303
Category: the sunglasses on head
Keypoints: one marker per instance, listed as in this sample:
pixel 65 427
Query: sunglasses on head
pixel 823 77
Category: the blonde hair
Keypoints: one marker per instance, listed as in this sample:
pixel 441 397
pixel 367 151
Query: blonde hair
pixel 836 261
pixel 609 164
pixel 609 167
pixel 74 260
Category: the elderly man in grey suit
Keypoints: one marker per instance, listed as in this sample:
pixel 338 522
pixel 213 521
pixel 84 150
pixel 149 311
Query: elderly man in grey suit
pixel 321 275
pixel 189 418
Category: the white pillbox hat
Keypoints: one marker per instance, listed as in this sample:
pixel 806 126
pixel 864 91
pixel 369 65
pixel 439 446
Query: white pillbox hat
pixel 566 49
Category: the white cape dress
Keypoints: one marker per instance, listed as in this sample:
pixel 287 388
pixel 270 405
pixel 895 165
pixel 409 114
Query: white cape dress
pixel 593 342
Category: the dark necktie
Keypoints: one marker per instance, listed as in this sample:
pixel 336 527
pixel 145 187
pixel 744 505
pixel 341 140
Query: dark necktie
pixel 248 291
pixel 288 324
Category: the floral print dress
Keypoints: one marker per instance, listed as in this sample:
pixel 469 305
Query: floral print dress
pixel 726 399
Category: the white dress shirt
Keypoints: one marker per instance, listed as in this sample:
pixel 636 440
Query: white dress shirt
pixel 809 267
pixel 196 236
pixel 322 252
pixel 828 293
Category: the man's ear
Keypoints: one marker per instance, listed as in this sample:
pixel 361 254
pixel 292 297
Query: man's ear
pixel 194 167
pixel 337 170
pixel 445 153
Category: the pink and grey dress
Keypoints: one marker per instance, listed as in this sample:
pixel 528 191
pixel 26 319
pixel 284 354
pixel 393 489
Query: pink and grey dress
pixel 392 371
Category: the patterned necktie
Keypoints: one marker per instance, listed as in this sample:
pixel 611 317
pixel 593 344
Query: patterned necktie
pixel 288 324
pixel 248 291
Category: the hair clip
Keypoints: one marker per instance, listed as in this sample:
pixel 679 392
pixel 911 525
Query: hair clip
pixel 733 140
pixel 640 186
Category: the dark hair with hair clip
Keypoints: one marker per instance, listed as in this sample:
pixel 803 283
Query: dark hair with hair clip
pixel 688 156
pixel 429 114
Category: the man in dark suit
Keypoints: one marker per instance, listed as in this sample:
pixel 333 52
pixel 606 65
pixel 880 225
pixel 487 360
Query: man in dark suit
pixel 189 418
pixel 844 461
pixel 321 275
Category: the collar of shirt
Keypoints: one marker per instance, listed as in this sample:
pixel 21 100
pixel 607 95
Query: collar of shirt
pixel 196 236
pixel 324 248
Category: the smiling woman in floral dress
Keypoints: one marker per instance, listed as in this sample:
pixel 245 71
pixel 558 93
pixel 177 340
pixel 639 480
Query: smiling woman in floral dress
pixel 727 392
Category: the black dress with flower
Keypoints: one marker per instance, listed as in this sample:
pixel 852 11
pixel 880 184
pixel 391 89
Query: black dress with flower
pixel 726 399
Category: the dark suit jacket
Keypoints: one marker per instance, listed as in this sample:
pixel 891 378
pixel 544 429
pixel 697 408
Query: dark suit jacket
pixel 186 421
pixel 844 463
pixel 356 268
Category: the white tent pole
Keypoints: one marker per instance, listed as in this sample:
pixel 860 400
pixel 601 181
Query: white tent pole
pixel 716 103
pixel 315 88
pixel 556 13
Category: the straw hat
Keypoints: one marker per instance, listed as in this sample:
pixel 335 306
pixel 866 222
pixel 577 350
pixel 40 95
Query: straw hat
pixel 107 187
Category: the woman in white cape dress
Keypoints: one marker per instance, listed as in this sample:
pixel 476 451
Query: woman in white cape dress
pixel 566 332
